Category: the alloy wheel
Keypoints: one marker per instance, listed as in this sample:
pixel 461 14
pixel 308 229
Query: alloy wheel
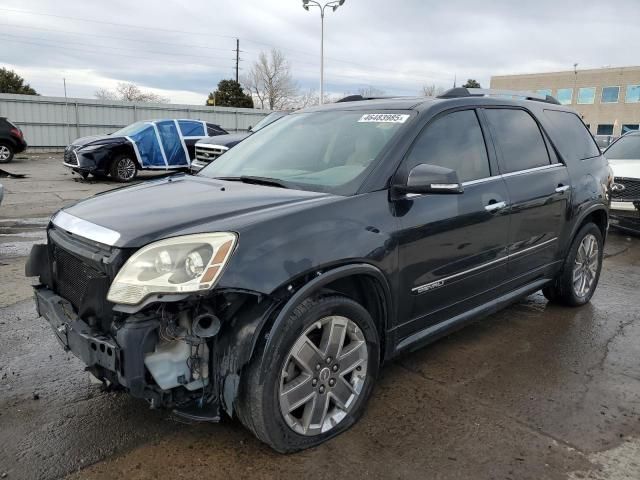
pixel 323 375
pixel 5 153
pixel 126 168
pixel 586 265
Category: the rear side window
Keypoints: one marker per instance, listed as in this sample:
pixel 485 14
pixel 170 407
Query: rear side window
pixel 571 136
pixel 518 138
pixel 454 141
pixel 627 148
pixel 191 128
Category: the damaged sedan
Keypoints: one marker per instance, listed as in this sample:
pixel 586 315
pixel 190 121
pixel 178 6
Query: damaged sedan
pixel 272 285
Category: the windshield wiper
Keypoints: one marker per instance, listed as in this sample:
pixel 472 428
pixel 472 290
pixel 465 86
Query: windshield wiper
pixel 272 182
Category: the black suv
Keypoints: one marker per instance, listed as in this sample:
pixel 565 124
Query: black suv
pixel 275 283
pixel 11 140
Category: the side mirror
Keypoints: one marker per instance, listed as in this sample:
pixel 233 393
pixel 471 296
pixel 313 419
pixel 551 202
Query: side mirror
pixel 425 178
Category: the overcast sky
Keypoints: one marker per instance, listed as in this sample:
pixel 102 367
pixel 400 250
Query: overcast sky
pixel 181 49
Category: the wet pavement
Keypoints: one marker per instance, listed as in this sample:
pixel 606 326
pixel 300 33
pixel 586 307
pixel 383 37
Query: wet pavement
pixel 536 391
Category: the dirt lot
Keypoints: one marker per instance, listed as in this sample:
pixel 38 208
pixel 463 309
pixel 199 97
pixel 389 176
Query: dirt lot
pixel 534 392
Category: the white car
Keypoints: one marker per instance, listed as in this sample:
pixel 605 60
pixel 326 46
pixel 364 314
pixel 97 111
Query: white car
pixel 624 159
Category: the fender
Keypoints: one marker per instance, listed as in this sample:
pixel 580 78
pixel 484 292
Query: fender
pixel 324 279
pixel 583 215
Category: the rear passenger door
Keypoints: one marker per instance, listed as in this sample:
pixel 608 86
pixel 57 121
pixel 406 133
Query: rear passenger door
pixel 539 189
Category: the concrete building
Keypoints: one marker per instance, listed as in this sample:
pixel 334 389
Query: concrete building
pixel 608 99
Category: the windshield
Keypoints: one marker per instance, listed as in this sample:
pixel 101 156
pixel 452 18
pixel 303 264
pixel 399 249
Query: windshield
pixel 319 151
pixel 130 129
pixel 626 148
pixel 272 117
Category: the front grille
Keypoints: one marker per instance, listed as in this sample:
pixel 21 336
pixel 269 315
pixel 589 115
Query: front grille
pixel 209 154
pixel 70 156
pixel 72 276
pixel 631 192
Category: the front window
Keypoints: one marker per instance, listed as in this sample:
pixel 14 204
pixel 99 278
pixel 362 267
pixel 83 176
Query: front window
pixel 586 95
pixel 272 117
pixel 633 94
pixel 565 96
pixel 130 129
pixel 329 151
pixel 610 94
pixel 626 148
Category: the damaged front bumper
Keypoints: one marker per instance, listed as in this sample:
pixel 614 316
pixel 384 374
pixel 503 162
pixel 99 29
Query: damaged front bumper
pixel 124 358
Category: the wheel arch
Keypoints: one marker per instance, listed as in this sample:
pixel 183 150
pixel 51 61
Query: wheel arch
pixel 598 215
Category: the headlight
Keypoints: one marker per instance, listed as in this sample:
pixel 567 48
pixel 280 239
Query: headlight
pixel 89 148
pixel 186 264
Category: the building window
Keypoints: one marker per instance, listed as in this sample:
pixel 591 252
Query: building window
pixel 629 127
pixel 605 129
pixel 633 94
pixel 544 91
pixel 565 96
pixel 586 95
pixel 610 94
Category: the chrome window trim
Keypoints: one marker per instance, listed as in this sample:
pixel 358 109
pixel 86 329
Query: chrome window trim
pixel 85 229
pixel 534 169
pixel 440 282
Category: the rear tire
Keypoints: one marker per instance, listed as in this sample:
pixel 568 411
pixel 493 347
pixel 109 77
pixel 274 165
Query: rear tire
pixel 124 168
pixel 6 152
pixel 266 402
pixel 578 279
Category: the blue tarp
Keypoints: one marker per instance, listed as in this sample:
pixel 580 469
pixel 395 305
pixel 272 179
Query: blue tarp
pixel 160 143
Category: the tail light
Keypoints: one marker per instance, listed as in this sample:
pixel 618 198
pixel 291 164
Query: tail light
pixel 16 132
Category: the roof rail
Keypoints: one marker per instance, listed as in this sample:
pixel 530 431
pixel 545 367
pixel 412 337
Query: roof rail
pixel 460 92
pixel 358 98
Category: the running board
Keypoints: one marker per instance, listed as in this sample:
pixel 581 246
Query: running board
pixel 436 331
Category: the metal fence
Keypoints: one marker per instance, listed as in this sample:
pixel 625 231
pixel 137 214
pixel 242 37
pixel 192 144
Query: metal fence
pixel 53 122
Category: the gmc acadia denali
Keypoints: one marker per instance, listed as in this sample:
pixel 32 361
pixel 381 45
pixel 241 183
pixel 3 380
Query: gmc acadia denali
pixel 275 283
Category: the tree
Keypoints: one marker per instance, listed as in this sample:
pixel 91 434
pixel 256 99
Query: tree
pixel 129 92
pixel 432 90
pixel 471 83
pixel 230 94
pixel 11 82
pixel 270 81
pixel 370 92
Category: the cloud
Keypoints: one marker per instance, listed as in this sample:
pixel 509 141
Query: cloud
pixel 185 48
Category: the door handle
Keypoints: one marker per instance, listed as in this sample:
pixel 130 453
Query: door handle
pixel 562 188
pixel 494 207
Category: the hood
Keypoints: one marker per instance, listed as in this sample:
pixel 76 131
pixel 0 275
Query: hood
pixel 625 168
pixel 182 204
pixel 97 139
pixel 228 140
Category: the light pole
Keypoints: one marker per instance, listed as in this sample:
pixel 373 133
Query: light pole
pixel 334 6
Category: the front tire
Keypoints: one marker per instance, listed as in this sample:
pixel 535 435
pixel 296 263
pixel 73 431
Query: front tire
pixel 124 168
pixel 6 152
pixel 577 282
pixel 311 382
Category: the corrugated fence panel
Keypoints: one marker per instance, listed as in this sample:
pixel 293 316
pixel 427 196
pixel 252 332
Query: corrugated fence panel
pixel 52 122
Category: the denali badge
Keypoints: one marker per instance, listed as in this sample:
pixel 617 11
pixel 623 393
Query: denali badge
pixel 428 286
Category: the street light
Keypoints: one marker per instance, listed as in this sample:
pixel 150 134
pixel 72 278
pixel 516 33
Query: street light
pixel 334 6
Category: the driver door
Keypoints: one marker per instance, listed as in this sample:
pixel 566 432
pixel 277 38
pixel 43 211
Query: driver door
pixel 452 247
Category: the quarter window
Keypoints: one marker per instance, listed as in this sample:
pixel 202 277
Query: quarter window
pixel 565 96
pixel 610 94
pixel 586 95
pixel 453 141
pixel 571 136
pixel 633 94
pixel 518 138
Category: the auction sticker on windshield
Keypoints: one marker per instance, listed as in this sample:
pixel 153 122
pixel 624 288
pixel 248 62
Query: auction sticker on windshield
pixel 384 117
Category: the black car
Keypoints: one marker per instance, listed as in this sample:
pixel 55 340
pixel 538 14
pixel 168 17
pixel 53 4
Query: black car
pixel 208 149
pixel 275 283
pixel 11 140
pixel 151 145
